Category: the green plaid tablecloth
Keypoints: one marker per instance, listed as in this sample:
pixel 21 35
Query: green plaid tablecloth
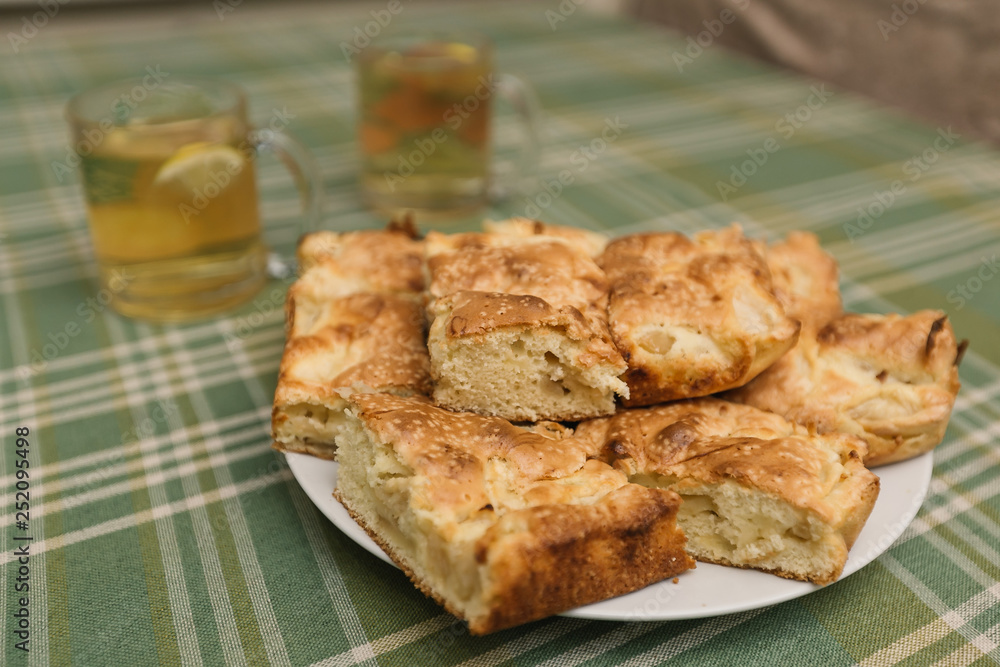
pixel 166 531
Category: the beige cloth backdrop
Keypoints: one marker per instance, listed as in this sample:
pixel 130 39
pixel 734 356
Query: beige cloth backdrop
pixel 938 60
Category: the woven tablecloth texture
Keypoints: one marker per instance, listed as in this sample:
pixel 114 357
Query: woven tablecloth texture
pixel 165 529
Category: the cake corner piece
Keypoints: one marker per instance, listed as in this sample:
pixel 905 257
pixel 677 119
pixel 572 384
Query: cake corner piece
pixel 488 518
pixel 349 327
pixel 758 491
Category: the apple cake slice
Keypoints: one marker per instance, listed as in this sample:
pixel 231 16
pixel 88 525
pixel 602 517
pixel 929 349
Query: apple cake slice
pixel 889 379
pixel 354 322
pixel 500 524
pixel 519 326
pixel 692 317
pixel 758 491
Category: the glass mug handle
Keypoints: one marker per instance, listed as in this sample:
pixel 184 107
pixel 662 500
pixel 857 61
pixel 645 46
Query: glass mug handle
pixel 508 175
pixel 305 172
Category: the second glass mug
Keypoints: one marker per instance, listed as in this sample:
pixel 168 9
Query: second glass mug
pixel 424 123
pixel 169 179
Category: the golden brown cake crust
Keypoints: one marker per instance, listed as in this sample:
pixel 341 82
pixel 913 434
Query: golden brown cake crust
pixel 708 441
pixel 475 313
pixel 519 327
pixel 538 266
pixel 388 260
pixel 372 340
pixel 354 321
pixel 553 511
pixel 588 242
pixel 806 279
pixel 889 379
pixel 916 346
pixel 714 291
pixel 451 448
pixel 620 544
pixel 551 558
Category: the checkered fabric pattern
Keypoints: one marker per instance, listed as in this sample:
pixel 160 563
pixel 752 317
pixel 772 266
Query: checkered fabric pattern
pixel 166 531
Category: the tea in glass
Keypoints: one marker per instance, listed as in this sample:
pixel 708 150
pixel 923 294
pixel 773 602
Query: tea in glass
pixel 168 175
pixel 424 124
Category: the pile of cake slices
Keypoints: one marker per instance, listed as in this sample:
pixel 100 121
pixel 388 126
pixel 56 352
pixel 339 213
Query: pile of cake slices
pixel 535 417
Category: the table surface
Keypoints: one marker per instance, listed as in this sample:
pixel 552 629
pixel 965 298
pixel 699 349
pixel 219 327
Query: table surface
pixel 166 531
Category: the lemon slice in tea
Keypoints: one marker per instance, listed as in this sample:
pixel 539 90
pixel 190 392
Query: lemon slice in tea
pixel 198 165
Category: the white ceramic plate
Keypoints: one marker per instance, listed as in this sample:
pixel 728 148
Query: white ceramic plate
pixel 709 590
